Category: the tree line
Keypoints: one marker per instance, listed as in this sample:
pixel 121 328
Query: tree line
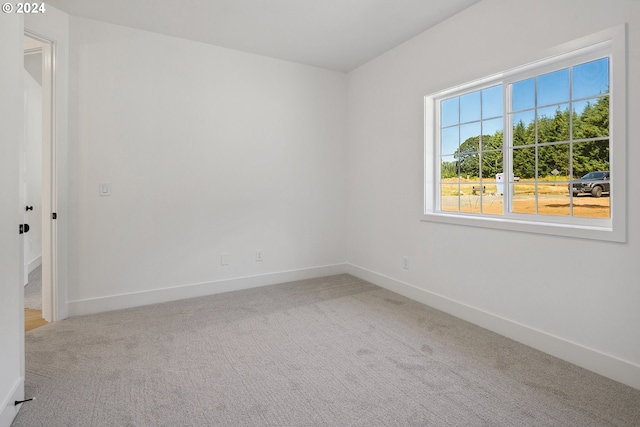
pixel 592 122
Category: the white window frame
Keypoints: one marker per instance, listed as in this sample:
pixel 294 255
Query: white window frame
pixel 611 43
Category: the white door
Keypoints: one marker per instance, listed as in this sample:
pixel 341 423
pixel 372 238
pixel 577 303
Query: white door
pixel 11 255
pixel 31 170
pixel 40 242
pixel 25 187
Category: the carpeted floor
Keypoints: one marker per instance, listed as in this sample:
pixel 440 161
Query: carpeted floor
pixel 33 290
pixel 334 351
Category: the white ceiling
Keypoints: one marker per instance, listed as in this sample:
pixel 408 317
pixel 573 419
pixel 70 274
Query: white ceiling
pixel 334 34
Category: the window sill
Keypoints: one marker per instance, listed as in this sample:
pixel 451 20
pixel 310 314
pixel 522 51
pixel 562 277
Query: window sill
pixel 604 233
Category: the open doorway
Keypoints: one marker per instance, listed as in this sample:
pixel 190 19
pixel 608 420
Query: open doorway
pixel 32 182
pixel 38 186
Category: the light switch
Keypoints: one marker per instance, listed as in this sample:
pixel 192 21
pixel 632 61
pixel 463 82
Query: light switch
pixel 104 188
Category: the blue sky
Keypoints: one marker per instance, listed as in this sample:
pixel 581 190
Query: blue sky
pixel 587 81
pixel 463 116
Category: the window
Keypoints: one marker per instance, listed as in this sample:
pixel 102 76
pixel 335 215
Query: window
pixel 531 149
pixel 471 151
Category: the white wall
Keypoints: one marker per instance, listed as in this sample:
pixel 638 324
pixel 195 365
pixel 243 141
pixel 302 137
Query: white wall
pixel 33 137
pixel 208 151
pixel 33 64
pixel 523 285
pixel 11 256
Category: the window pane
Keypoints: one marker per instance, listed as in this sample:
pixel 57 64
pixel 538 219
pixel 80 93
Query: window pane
pixel 553 88
pixel 470 137
pixel 492 142
pixel 492 200
pixel 591 118
pixel 591 79
pixel 449 197
pixel 553 162
pixel 523 95
pixel 470 165
pixel 449 140
pixel 492 102
pixel 470 198
pixel 553 199
pixel 553 123
pixel 469 147
pixel 491 164
pixel 524 128
pixel 524 198
pixel 492 126
pixel 470 107
pixel 449 169
pixel 524 163
pixel 592 156
pixel 593 186
pixel 449 112
pixel 588 206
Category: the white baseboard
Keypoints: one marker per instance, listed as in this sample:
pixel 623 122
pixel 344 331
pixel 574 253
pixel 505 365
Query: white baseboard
pixel 156 296
pixel 588 358
pixel 37 262
pixel 9 409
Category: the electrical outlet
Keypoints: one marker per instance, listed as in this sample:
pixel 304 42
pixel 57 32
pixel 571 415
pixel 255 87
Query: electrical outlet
pixel 224 259
pixel 259 255
pixel 405 262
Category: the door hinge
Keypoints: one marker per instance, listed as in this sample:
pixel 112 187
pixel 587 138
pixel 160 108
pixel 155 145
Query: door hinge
pixel 24 228
pixel 54 215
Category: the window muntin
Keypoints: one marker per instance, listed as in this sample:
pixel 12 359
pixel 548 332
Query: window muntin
pixel 560 131
pixel 557 130
pixel 610 42
pixel 471 145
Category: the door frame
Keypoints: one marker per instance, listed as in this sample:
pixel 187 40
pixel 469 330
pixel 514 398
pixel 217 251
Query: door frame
pixel 50 291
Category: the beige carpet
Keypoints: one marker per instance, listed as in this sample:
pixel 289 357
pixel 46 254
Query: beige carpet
pixel 335 351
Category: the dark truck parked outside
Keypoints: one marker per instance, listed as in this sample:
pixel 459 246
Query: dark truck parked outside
pixel 593 183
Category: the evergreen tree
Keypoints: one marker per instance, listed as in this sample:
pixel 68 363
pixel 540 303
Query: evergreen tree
pixel 524 162
pixel 592 122
pixel 590 156
pixel 523 135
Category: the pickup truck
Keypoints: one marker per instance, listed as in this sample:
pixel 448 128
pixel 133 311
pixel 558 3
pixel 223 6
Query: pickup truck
pixel 593 183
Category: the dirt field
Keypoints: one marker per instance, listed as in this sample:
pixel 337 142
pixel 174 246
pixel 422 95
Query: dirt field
pixel 553 198
pixel 549 204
